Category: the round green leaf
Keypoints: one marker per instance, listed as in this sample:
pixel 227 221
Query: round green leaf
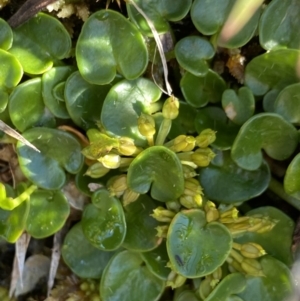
pixel 279 25
pixel 276 242
pixel 196 248
pixel 287 103
pixel 239 107
pixel 159 12
pixel 276 285
pixel 269 100
pixel 60 151
pixel 192 52
pixel 272 70
pixel 198 91
pixel 292 178
pixel 124 104
pixel 216 119
pixel 81 256
pixel 266 131
pixel 108 43
pixel 48 212
pixel 156 261
pixel 84 100
pixel 52 99
pixel 6 35
pixel 26 106
pixel 126 278
pixel 141 232
pixel 103 222
pixel 234 183
pixel 39 42
pixel 157 168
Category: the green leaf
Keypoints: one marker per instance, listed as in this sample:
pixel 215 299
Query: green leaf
pixel 234 183
pixel 81 256
pixel 277 285
pixel 103 222
pixel 198 91
pixel 26 114
pixel 216 119
pixel 192 52
pixel 279 25
pixel 50 81
pixel 124 104
pixel 272 70
pixel 126 278
pixel 141 233
pixel 159 12
pixel 287 104
pixel 159 169
pixel 266 131
pixel 276 242
pixel 77 91
pixel 108 43
pixel 6 35
pixel 48 212
pixel 291 178
pixel 269 100
pixel 239 107
pixel 39 42
pixel 60 152
pixel 197 248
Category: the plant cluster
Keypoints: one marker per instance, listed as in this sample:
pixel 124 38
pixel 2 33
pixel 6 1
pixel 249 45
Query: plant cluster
pixel 165 176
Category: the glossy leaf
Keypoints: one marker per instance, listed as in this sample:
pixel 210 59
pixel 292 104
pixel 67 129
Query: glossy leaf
pixel 192 52
pixel 234 183
pixel 279 25
pixel 239 107
pixel 124 104
pixel 126 278
pixel 141 233
pixel 48 212
pixel 77 91
pixel 272 70
pixel 157 169
pixel 159 12
pixel 198 91
pixel 191 244
pixel 81 256
pixel 216 119
pixel 103 222
pixel 60 152
pixel 292 178
pixel 39 42
pixel 265 131
pixel 52 100
pixel 276 242
pixel 287 104
pixel 108 43
pixel 269 100
pixel 6 35
pixel 26 106
pixel 275 286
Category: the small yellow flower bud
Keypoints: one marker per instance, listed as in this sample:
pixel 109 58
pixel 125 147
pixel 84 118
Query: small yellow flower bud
pixel 192 187
pixel 234 265
pixel 205 288
pixel 117 185
pixel 97 170
pixel 212 215
pixel 205 138
pixel 111 161
pixel 188 172
pixel 173 205
pixel 252 250
pixel 163 215
pixel 190 202
pixel 162 231
pixel 175 280
pixel 232 212
pixel 252 267
pixel 146 125
pixel 217 274
pixel 129 197
pixel 202 156
pixel 126 146
pixel 170 108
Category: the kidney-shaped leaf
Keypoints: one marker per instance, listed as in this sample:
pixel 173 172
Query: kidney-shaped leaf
pixel 103 222
pixel 196 248
pixel 39 42
pixel 159 12
pixel 272 70
pixel 266 131
pixel 157 168
pixel 279 25
pixel 124 104
pixel 6 35
pixel 108 43
pixel 234 183
pixel 60 151
pixel 126 278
